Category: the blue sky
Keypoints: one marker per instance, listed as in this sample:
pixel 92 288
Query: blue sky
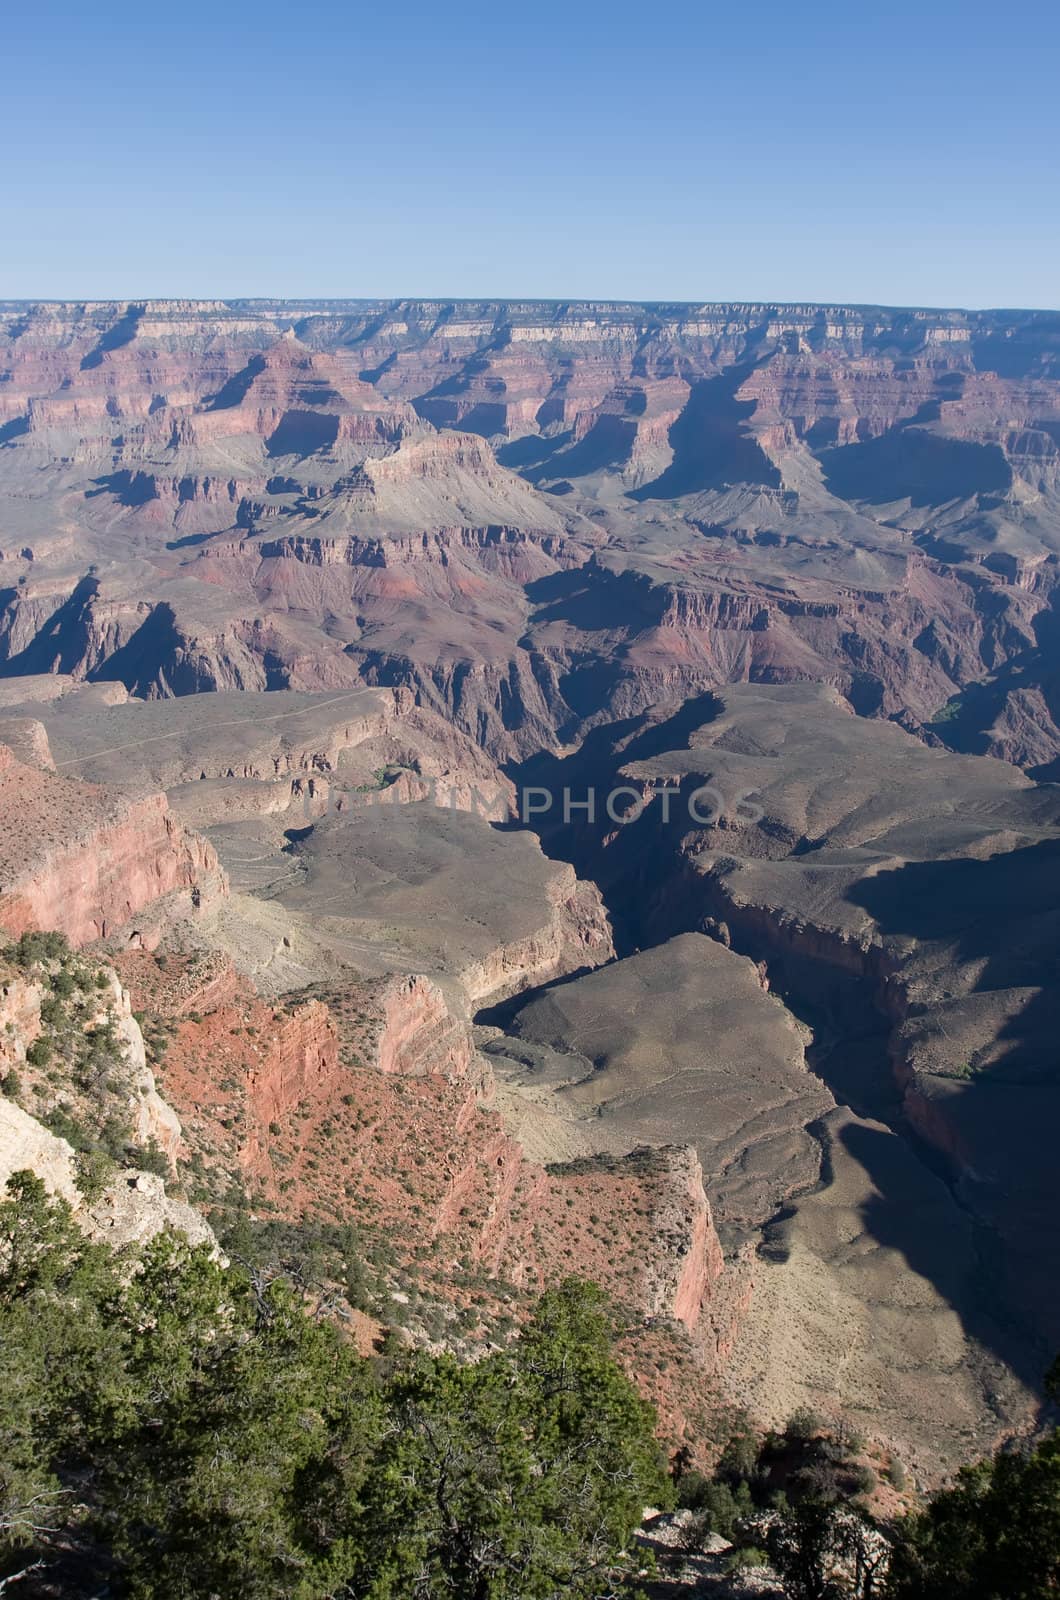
pixel 905 154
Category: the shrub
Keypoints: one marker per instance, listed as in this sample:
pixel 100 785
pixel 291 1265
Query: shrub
pixel 739 1458
pixel 93 1170
pixel 38 947
pixel 229 1444
pixel 690 1487
pixel 748 1555
pixel 815 1481
pixel 723 1508
pixel 39 1053
pixel 152 1158
pixel 803 1424
pixel 61 1121
pixel 115 1136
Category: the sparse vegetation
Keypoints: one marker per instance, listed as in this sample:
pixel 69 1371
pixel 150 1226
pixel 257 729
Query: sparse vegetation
pixel 93 1170
pixel 803 1424
pixel 948 712
pixel 78 1079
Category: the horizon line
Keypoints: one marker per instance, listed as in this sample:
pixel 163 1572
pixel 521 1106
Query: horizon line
pixel 551 301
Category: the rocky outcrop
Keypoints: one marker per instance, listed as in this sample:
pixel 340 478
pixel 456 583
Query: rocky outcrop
pixel 299 1057
pixel 686 1259
pixel 371 1101
pixel 30 1009
pixel 20 1022
pixel 418 1036
pixel 203 981
pixel 84 860
pixel 279 1057
pixel 578 934
pixel 133 1206
pixel 220 756
pixel 152 1120
pixel 27 740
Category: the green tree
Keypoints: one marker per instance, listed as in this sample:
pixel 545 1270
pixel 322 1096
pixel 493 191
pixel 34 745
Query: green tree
pixel 994 1536
pixel 520 1477
pixel 56 1369
pixel 238 1468
pixel 189 1430
pixel 827 1552
pixel 216 1434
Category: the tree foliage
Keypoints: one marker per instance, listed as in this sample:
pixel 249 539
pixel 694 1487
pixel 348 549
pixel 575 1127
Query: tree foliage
pixel 522 1475
pixel 825 1552
pixel 183 1429
pixel 994 1536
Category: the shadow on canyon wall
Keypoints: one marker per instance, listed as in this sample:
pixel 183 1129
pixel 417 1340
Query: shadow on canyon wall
pixel 709 444
pixel 998 916
pixel 928 468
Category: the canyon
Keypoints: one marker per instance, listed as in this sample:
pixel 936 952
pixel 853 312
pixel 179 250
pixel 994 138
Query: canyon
pixel 537 517
pixel 300 603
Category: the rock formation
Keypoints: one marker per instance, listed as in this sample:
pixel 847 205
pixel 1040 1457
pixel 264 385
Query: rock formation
pixel 372 1100
pixel 51 998
pixel 84 860
pixel 64 1004
pixel 528 514
pixel 132 1207
pixel 302 600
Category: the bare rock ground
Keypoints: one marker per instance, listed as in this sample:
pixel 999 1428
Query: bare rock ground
pixel 682 1040
pixel 864 1258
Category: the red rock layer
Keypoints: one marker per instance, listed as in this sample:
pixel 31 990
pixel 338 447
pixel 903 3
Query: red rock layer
pixel 84 860
pixel 373 1107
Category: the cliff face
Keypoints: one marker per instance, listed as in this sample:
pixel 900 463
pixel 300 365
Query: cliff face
pixel 577 934
pixel 152 1120
pixel 71 1048
pixel 470 502
pixel 84 860
pixel 686 1260
pixel 90 1061
pixel 20 1024
pixel 418 1037
pixel 273 1059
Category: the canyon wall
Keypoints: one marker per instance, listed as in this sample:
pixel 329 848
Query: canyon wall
pixel 84 860
pixel 371 1100
pixel 534 516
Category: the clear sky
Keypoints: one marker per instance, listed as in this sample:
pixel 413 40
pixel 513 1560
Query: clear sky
pixel 901 152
